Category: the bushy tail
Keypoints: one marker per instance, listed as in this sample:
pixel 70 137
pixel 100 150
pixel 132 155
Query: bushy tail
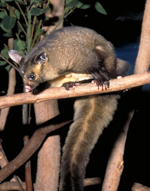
pixel 92 115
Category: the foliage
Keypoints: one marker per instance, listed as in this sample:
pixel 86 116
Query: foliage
pixel 23 19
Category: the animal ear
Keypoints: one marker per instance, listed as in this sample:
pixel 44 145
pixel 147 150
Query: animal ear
pixel 100 52
pixel 15 56
pixel 40 58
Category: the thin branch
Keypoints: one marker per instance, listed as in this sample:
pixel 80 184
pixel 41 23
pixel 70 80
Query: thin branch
pixel 113 173
pixel 28 177
pixel 8 62
pixel 2 154
pixel 92 181
pixel 10 91
pixel 28 150
pixel 22 27
pixel 115 164
pixel 81 90
pixel 144 47
pixel 36 34
pixel 13 185
pixel 139 187
pixel 22 13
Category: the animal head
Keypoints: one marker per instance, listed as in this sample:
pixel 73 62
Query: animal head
pixel 30 68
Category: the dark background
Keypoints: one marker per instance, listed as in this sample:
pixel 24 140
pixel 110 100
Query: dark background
pixel 121 26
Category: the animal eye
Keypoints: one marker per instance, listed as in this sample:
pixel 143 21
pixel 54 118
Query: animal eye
pixel 32 77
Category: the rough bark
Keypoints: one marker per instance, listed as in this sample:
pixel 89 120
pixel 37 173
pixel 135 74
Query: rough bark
pixel 33 144
pixel 113 174
pixel 49 155
pixel 143 57
pixel 10 91
pixel 80 90
pixel 115 164
pixel 139 187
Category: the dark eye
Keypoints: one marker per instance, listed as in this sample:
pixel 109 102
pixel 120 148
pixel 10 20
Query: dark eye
pixel 32 77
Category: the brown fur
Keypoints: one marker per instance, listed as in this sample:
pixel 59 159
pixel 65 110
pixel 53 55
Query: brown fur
pixel 69 50
pixel 67 55
pixel 92 115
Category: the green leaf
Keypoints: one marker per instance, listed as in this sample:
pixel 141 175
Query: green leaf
pixel 72 3
pixel 8 35
pixel 67 1
pixel 21 45
pixel 79 5
pixel 44 10
pixel 4 52
pixel 86 6
pixel 5 65
pixel 41 31
pixel 21 2
pixel 2 4
pixel 17 13
pixel 37 11
pixel 67 9
pixel 8 22
pixel 4 28
pixel 2 14
pixel 3 1
pixel 8 67
pixel 99 8
pixel 8 0
pixel 15 45
pixel 2 63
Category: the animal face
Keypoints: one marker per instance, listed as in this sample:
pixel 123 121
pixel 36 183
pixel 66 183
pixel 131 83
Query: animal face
pixel 30 68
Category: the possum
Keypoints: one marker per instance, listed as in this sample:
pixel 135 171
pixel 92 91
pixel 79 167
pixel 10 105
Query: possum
pixel 73 54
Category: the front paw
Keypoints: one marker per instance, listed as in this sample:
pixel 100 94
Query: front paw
pixel 101 79
pixel 70 85
pixel 104 85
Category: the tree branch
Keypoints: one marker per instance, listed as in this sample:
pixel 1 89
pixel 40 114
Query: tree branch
pixel 139 187
pixel 115 164
pixel 80 90
pixel 28 150
pixel 14 186
pixel 113 173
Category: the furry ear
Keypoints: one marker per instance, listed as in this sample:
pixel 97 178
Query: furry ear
pixel 15 56
pixel 100 52
pixel 40 58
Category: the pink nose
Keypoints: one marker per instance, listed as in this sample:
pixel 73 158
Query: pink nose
pixel 27 88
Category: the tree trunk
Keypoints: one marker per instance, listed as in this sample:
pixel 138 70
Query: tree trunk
pixel 49 155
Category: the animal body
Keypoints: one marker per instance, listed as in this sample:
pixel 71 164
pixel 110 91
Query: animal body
pixel 68 55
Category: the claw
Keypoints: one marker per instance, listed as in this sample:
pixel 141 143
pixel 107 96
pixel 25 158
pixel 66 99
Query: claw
pixel 70 85
pixel 102 84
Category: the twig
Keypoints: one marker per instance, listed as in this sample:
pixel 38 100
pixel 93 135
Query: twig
pixel 115 164
pixel 28 177
pixel 113 173
pixel 144 47
pixel 112 182
pixel 6 162
pixel 13 185
pixel 92 181
pixel 33 144
pixel 139 187
pixel 10 91
pixel 81 90
pixel 22 14
pixel 8 62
